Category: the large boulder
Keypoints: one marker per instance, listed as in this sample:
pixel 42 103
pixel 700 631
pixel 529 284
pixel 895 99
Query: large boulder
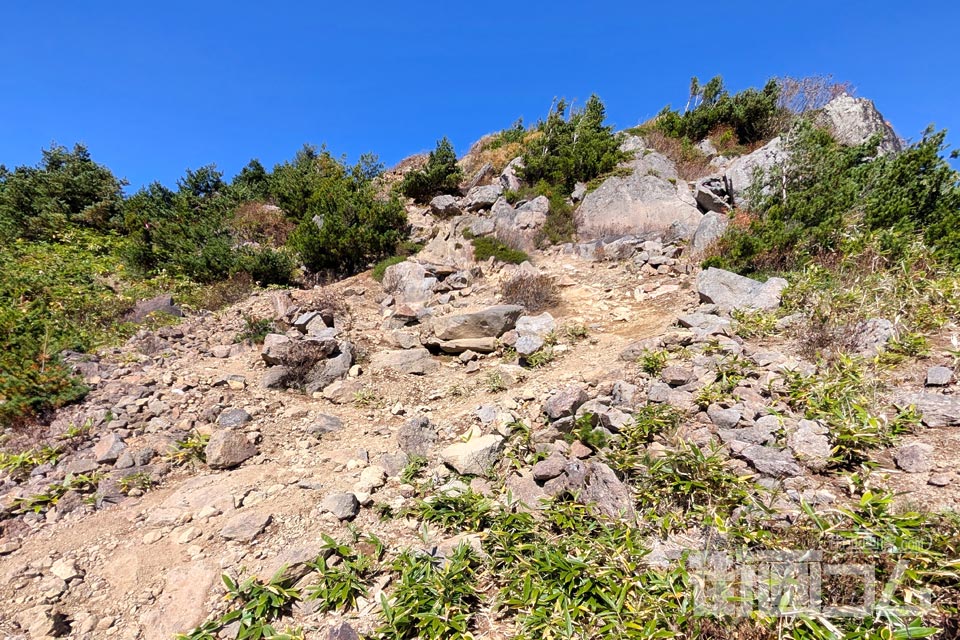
pixel 228 448
pixel 474 457
pixel 447 249
pixel 731 291
pixel 408 282
pixel 711 228
pixel 510 177
pixel 482 197
pixel 651 198
pixel 444 206
pixel 854 120
pixel 491 322
pixel 521 225
pixel 159 304
pixel 740 171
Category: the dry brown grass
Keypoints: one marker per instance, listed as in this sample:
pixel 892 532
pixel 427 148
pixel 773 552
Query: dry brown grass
pixel 691 163
pixel 534 292
pixel 261 222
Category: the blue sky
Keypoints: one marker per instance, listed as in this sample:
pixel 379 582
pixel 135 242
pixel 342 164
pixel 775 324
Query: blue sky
pixel 154 90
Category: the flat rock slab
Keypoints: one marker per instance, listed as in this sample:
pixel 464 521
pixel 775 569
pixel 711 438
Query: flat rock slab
pixel 475 456
pixel 491 322
pixel 245 526
pixel 935 410
pixel 415 361
pixel 731 291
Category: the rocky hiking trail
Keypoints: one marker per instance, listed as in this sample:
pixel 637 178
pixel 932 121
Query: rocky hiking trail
pixel 201 451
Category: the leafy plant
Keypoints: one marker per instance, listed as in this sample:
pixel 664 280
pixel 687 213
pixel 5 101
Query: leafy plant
pixel 432 600
pixel 467 511
pixel 415 465
pixel 254 329
pixel 190 449
pixel 19 465
pixel 257 606
pixel 653 362
pixel 338 587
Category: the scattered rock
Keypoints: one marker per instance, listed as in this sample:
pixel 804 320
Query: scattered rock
pixel 565 402
pixel 417 436
pixel 231 418
pixel 935 410
pixel 246 526
pixel 415 361
pixel 474 457
pixel 914 457
pixel 810 443
pixel 109 448
pixel 344 506
pixel 731 291
pixel 939 376
pixel 491 322
pixel 228 448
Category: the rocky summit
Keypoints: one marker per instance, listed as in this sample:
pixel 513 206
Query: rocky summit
pixel 516 429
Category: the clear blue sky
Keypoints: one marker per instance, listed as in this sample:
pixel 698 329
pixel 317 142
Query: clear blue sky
pixel 155 87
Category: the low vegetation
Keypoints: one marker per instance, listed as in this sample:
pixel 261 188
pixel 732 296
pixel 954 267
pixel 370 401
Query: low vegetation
pixel 533 291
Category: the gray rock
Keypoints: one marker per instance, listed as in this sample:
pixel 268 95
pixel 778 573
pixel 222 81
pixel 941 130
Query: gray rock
pixel 159 304
pixel 609 495
pixel 415 361
pixel 936 410
pixel 712 194
pixel 482 197
pixel 565 402
pixel 109 448
pixel 324 373
pixel 476 456
pixel 756 434
pixel 275 348
pixel 276 378
pixel 549 468
pixel 528 345
pixel 939 376
pixel 914 457
pixel 677 376
pixel 853 120
pixel 491 322
pixel 342 631
pixel 650 199
pixel 344 506
pixel 810 443
pixel 408 282
pixel 246 526
pixel 417 436
pixel 740 171
pixel 603 415
pixel 704 324
pixel 444 206
pixel 228 448
pixel 731 291
pixel 871 336
pixel 711 228
pixel 723 418
pixel 325 424
pixel 539 326
pixel 771 462
pixel 231 418
pixel 510 177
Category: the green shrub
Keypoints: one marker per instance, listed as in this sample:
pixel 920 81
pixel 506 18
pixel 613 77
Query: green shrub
pixel 829 193
pixel 380 269
pixel 440 175
pixel 749 113
pixel 488 246
pixel 571 149
pixel 268 266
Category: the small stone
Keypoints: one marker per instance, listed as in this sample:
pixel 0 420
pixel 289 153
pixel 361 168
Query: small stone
pixel 246 526
pixel 7 548
pixel 914 457
pixel 109 448
pixel 342 631
pixel 230 418
pixel 580 451
pixel 342 505
pixel 373 477
pixel 152 536
pixel 189 535
pixel 324 424
pixel 237 382
pixel 227 449
pixel 549 469
pixel 565 402
pixel 66 570
pixel 677 376
pixel 723 418
pixel 475 456
pixel 939 376
pixel 940 479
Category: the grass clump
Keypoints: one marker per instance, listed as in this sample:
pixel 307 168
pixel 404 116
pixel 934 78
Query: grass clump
pixel 532 291
pixel 485 247
pixel 192 449
pixel 254 330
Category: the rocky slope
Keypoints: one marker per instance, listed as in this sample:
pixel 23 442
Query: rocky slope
pixel 124 532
